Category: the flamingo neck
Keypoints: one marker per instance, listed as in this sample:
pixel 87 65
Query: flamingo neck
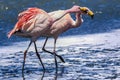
pixel 62 14
pixel 78 20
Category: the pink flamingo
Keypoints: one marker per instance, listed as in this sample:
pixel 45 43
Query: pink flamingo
pixel 34 23
pixel 65 23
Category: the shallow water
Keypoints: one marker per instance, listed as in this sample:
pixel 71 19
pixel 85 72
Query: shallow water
pixel 88 57
pixel 91 52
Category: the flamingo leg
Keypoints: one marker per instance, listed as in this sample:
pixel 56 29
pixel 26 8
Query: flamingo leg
pixel 39 56
pixel 25 55
pixel 60 57
pixel 55 56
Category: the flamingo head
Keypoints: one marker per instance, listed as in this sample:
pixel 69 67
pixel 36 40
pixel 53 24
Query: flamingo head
pixel 82 10
pixel 86 10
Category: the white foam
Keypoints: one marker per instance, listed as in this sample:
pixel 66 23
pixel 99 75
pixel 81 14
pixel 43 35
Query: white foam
pixel 109 40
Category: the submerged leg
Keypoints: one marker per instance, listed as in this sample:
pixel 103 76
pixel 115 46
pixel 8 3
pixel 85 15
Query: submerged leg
pixel 60 57
pixel 25 56
pixel 38 56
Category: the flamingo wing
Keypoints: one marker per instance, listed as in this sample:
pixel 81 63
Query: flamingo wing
pixel 25 18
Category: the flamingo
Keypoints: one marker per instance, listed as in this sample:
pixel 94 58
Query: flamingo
pixel 65 23
pixel 34 23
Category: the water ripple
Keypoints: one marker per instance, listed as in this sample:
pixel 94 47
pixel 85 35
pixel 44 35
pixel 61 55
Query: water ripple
pixel 92 57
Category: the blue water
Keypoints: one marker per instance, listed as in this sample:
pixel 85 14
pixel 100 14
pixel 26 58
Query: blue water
pixel 91 51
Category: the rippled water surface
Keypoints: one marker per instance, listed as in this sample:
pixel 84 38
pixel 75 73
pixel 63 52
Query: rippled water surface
pixel 89 57
pixel 91 52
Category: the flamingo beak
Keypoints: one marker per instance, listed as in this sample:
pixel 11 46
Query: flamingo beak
pixel 90 13
pixel 87 11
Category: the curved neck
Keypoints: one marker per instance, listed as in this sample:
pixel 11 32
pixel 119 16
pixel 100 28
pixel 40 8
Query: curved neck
pixel 56 17
pixel 78 20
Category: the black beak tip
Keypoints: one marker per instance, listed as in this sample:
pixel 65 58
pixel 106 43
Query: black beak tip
pixel 92 16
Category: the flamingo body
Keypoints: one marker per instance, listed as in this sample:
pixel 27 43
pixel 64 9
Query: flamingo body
pixel 31 23
pixel 61 25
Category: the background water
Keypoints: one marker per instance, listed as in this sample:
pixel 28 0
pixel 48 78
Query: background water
pixel 91 51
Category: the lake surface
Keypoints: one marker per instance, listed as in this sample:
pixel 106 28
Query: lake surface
pixel 91 52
